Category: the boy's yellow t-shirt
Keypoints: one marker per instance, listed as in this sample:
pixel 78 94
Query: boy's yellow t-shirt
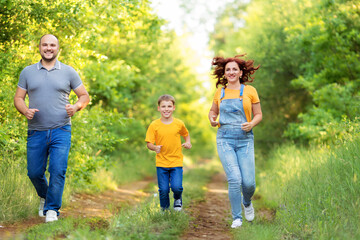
pixel 250 96
pixel 167 135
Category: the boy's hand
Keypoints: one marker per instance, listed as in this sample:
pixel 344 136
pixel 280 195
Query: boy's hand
pixel 186 145
pixel 157 148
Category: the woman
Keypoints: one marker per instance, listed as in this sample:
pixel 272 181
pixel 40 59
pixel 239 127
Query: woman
pixel 235 102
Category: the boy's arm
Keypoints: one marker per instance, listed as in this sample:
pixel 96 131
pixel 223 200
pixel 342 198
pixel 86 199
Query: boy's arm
pixel 187 143
pixel 153 147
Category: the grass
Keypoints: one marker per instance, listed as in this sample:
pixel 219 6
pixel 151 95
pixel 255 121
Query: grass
pixel 257 231
pixel 17 196
pixel 264 226
pixel 316 192
pixel 65 227
pixel 133 165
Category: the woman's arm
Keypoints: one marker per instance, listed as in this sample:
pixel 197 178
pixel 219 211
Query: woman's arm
pixel 256 109
pixel 213 114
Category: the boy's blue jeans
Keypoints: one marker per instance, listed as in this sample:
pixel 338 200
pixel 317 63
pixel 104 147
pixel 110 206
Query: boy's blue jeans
pixel 169 178
pixel 236 151
pixel 55 145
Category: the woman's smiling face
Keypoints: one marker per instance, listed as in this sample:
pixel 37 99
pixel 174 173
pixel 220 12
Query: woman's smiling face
pixel 232 72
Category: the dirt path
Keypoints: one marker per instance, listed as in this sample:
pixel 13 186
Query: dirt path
pixel 211 217
pixel 108 203
pixel 102 205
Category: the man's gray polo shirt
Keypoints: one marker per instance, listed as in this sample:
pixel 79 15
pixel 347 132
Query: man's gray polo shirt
pixel 49 92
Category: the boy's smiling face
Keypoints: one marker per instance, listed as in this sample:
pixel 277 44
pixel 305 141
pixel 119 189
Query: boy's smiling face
pixel 166 109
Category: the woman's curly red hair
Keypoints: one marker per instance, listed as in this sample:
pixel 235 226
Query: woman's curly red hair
pixel 246 66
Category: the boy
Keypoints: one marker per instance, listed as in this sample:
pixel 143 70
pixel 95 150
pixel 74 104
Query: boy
pixel 165 133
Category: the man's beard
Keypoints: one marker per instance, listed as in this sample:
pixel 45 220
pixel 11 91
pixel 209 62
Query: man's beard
pixel 48 59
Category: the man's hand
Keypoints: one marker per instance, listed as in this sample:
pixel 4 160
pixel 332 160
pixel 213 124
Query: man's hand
pixel 71 109
pixel 186 145
pixel 29 114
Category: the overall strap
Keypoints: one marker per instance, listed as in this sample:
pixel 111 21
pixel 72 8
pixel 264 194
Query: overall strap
pixel 222 93
pixel 242 89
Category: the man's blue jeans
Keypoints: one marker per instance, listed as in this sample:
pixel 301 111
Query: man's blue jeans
pixel 169 178
pixel 53 144
pixel 236 151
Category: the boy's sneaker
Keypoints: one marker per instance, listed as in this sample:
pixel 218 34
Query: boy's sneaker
pixel 177 205
pixel 41 207
pixel 249 212
pixel 236 223
pixel 51 216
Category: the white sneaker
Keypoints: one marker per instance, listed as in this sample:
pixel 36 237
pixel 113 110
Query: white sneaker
pixel 51 216
pixel 177 205
pixel 249 212
pixel 236 223
pixel 41 207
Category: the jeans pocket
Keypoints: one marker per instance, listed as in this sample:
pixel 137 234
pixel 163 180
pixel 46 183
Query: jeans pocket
pixel 221 133
pixel 31 133
pixel 66 128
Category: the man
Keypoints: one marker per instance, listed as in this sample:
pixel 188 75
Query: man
pixel 48 84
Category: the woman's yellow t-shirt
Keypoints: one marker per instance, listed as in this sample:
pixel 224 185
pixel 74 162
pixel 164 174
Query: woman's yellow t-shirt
pixel 167 135
pixel 250 96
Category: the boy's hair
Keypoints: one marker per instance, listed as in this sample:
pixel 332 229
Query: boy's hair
pixel 166 97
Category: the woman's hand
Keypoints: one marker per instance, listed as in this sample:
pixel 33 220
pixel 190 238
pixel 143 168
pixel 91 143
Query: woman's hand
pixel 213 114
pixel 213 121
pixel 256 109
pixel 247 126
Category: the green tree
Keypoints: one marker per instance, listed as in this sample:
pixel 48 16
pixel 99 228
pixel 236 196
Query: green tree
pixel 259 29
pixel 309 55
pixel 330 41
pixel 124 58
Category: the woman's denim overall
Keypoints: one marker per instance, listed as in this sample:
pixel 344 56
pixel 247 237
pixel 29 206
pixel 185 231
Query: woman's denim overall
pixel 236 151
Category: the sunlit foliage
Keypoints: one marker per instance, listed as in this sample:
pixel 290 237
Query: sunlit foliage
pixel 125 59
pixel 309 57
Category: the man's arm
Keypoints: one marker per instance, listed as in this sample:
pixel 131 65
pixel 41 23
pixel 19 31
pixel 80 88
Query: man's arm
pixel 82 102
pixel 19 102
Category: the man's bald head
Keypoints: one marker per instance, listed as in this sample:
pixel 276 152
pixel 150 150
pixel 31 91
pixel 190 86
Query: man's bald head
pixel 49 35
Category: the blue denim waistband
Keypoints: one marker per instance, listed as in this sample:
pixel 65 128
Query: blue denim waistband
pixel 230 126
pixel 233 130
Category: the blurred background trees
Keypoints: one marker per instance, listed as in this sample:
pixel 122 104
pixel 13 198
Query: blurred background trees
pixel 126 61
pixel 308 81
pixel 309 56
